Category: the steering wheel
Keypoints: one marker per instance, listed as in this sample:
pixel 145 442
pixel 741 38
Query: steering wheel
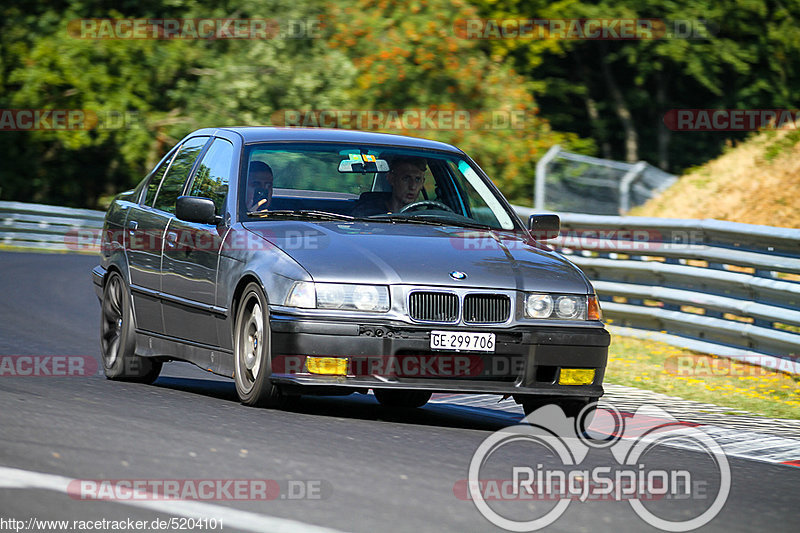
pixel 425 203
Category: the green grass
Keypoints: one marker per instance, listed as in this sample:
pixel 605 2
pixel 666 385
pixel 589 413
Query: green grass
pixel 679 372
pixel 781 146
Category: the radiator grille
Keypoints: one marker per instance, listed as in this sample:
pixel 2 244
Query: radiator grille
pixel 433 306
pixel 486 308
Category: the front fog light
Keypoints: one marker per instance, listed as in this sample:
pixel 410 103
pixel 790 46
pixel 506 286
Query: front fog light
pixel 332 366
pixel 576 376
pixel 538 306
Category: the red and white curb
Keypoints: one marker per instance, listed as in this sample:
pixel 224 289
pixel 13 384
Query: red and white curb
pixel 741 435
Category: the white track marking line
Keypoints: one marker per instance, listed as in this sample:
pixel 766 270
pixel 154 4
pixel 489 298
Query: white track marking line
pixel 14 478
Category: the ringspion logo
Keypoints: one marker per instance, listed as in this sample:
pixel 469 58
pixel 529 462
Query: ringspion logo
pixel 547 463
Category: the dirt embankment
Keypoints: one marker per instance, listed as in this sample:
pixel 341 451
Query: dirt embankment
pixel 756 182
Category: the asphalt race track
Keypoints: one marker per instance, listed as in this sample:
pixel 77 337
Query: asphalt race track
pixel 338 463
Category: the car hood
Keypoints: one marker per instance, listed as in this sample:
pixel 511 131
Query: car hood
pixel 419 254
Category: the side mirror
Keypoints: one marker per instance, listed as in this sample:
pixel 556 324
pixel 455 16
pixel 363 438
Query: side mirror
pixel 544 227
pixel 196 209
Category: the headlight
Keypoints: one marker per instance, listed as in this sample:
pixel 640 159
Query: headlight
pixel 330 296
pixel 367 298
pixel 302 295
pixel 374 298
pixel 556 306
pixel 570 307
pixel 538 306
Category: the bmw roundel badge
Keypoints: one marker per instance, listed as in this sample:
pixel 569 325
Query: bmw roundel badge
pixel 457 275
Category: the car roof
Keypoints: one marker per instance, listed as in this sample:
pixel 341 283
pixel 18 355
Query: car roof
pixel 252 134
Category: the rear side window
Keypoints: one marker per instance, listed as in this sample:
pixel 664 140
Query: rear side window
pixel 155 181
pixel 172 185
pixel 213 174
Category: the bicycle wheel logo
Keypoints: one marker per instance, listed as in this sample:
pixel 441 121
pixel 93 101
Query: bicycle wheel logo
pixel 554 473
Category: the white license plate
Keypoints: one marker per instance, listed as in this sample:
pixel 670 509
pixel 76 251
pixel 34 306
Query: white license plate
pixel 458 340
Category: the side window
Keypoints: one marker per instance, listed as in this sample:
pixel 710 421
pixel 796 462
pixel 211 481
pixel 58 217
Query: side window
pixel 155 181
pixel 172 185
pixel 213 174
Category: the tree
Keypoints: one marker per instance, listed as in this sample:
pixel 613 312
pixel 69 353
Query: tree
pixel 409 56
pixel 617 92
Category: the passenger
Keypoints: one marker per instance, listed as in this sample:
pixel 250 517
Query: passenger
pixel 259 186
pixel 406 176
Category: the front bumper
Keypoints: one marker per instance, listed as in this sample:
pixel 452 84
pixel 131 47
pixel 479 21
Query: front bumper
pixel 527 360
pixel 98 274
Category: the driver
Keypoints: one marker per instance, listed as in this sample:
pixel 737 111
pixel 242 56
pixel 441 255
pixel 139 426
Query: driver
pixel 407 176
pixel 259 186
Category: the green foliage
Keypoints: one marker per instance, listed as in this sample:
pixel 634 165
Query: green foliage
pixel 380 55
pixel 782 145
pixel 748 57
pixel 147 93
pixel 409 57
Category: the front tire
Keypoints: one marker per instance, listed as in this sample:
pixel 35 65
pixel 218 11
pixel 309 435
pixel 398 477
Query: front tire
pixel 252 351
pixel 118 336
pixel 408 399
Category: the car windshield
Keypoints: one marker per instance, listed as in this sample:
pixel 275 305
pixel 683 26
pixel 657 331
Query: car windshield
pixel 367 182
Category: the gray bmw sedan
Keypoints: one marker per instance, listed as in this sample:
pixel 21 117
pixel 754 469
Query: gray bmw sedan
pixel 313 261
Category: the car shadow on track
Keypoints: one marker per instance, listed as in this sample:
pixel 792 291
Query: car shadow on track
pixel 359 407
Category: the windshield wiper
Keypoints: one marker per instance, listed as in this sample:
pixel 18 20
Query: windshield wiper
pixel 300 214
pixel 431 220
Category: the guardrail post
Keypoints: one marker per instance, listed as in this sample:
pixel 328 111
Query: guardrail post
pixel 625 186
pixel 541 175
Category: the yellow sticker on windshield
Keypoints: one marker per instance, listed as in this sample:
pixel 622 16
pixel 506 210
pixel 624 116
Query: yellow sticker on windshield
pixel 362 157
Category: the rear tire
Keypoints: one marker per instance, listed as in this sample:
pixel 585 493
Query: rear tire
pixel 408 399
pixel 252 351
pixel 118 336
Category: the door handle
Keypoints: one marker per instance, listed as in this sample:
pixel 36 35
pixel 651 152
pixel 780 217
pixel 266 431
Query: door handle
pixel 172 237
pixel 133 225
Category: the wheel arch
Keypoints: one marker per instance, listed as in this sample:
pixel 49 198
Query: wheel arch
pixel 243 282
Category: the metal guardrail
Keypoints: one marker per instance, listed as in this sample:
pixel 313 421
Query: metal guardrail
pixel 716 287
pixel 564 179
pixel 46 227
